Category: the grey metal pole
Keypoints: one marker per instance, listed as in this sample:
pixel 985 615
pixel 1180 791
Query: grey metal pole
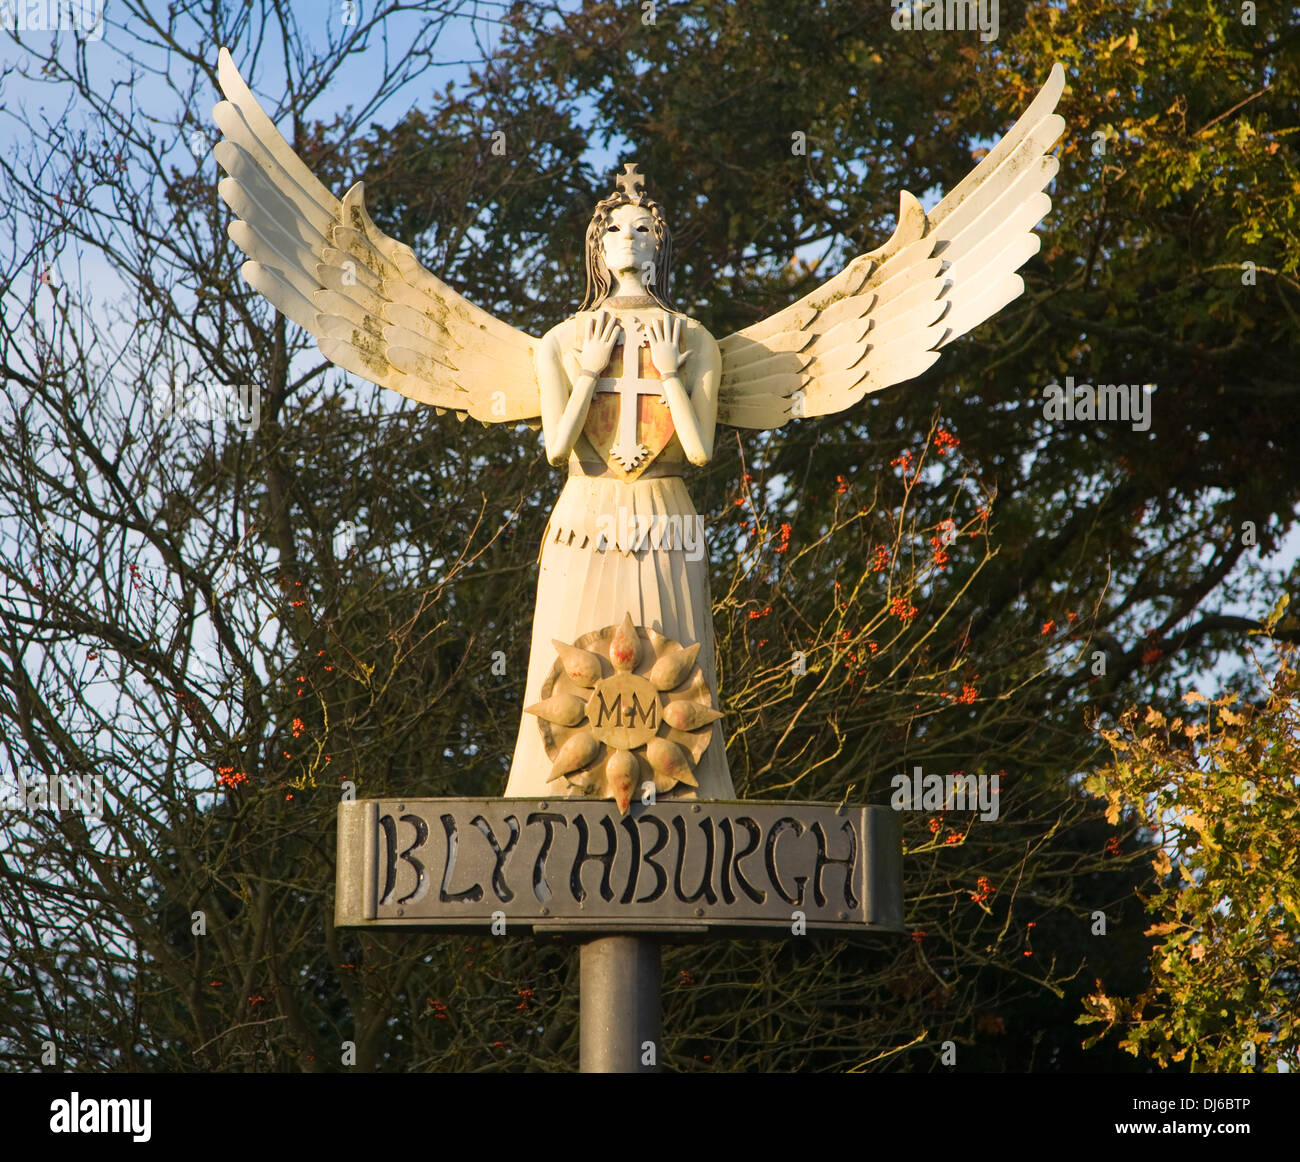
pixel 620 1020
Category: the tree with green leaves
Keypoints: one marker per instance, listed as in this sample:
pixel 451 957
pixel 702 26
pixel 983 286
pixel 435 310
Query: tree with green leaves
pixel 1216 789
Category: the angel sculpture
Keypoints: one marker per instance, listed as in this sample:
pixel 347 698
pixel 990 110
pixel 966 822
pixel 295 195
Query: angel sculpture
pixel 621 692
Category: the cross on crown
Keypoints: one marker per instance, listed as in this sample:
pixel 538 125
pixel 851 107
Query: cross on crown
pixel 631 181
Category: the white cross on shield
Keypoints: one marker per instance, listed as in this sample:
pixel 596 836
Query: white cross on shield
pixel 629 387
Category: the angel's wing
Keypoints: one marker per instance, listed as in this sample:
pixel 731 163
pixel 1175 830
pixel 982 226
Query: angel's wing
pixel 883 319
pixel 373 309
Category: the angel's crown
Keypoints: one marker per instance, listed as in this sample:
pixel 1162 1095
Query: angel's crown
pixel 631 182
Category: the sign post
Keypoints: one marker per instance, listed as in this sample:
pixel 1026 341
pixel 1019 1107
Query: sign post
pixel 618 883
pixel 620 1018
pixel 621 697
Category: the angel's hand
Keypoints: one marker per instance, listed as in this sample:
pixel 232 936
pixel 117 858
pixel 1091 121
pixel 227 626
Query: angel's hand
pixel 598 337
pixel 665 345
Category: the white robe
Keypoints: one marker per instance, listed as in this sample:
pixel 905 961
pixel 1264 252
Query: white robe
pixel 592 574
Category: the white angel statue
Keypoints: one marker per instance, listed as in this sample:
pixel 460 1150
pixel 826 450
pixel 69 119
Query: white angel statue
pixel 621 693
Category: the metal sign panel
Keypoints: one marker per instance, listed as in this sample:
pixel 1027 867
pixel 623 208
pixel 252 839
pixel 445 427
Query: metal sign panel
pixel 674 866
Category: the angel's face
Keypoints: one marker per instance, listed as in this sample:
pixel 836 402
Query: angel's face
pixel 629 241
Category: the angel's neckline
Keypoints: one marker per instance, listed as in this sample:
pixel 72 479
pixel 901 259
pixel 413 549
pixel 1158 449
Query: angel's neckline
pixel 628 302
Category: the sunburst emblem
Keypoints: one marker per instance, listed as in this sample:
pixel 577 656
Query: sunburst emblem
pixel 622 707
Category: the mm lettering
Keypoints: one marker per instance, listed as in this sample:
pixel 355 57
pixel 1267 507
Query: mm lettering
pixel 614 714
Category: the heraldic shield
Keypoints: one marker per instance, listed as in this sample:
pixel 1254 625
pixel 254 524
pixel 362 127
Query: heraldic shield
pixel 629 423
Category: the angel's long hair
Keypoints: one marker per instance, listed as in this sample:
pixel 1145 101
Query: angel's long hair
pixel 598 277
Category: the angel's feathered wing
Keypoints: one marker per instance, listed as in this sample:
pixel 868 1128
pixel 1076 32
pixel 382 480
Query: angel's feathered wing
pixel 883 319
pixel 373 309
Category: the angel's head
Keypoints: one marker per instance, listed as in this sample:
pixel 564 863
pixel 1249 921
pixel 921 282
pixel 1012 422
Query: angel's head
pixel 628 244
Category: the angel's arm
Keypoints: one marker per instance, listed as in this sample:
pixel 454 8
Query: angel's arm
pixel 694 415
pixel 564 412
